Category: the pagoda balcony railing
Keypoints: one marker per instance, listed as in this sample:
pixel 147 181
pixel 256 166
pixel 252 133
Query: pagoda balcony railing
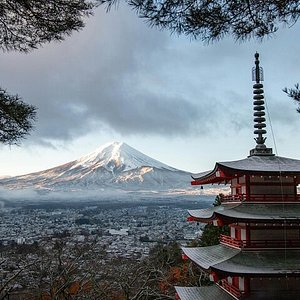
pixel 261 198
pixel 231 289
pixel 236 243
pixel 271 244
pixel 229 241
pixel 233 198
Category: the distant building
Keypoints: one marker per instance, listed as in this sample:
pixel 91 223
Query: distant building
pixel 260 258
pixel 21 240
pixel 122 231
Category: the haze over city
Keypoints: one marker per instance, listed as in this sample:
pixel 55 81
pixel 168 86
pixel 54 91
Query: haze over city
pixel 181 102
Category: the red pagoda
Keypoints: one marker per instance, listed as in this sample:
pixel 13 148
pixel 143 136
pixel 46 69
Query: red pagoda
pixel 260 258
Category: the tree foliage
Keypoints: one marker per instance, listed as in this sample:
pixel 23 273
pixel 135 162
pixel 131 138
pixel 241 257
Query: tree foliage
pixel 294 93
pixel 16 118
pixel 209 20
pixel 26 24
pixel 172 270
pixel 218 200
pixel 166 256
pixel 211 235
pixel 54 270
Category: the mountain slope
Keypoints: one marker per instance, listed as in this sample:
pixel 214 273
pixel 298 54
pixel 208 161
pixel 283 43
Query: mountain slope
pixel 112 166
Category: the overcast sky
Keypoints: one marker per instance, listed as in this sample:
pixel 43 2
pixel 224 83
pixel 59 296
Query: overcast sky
pixel 176 100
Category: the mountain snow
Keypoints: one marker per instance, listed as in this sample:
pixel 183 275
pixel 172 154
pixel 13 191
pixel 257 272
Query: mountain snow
pixel 114 165
pixel 119 157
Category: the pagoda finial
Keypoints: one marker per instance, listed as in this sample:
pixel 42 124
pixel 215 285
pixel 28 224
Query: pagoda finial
pixel 259 111
pixel 257 71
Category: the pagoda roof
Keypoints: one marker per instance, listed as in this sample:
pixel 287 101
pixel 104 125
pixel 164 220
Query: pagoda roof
pixel 264 164
pixel 229 261
pixel 202 293
pixel 252 164
pixel 262 263
pixel 207 257
pixel 216 292
pixel 246 212
pixel 206 214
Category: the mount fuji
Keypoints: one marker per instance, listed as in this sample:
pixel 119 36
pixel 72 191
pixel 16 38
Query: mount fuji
pixel 113 166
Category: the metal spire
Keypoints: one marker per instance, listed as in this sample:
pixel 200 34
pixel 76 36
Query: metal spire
pixel 259 111
pixel 257 71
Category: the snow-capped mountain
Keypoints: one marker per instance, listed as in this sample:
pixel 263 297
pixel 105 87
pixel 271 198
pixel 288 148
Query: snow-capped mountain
pixel 112 166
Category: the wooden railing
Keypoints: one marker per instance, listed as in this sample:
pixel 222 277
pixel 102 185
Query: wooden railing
pixel 235 243
pixel 227 240
pixel 261 198
pixel 233 198
pixel 231 289
pixel 271 244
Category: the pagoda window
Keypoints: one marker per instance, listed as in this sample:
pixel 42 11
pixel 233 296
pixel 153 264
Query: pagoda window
pixel 234 181
pixel 244 189
pixel 232 232
pixel 244 284
pixel 277 237
pixel 272 179
pixel 242 179
pixel 238 186
pixel 274 285
pixel 239 232
pixel 236 281
pixel 243 234
pixel 271 190
pixel 232 285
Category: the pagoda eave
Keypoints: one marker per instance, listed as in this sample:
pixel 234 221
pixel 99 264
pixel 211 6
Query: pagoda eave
pixel 254 212
pixel 274 274
pixel 202 293
pixel 206 257
pixel 227 261
pixel 248 213
pixel 261 263
pixel 217 175
pixel 223 172
pixel 202 215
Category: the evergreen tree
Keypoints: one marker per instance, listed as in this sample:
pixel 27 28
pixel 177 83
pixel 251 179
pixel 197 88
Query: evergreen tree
pixel 209 20
pixel 16 118
pixel 294 93
pixel 25 25
pixel 211 235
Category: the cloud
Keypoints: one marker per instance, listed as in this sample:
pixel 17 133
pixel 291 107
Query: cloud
pixel 120 75
pixel 101 76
